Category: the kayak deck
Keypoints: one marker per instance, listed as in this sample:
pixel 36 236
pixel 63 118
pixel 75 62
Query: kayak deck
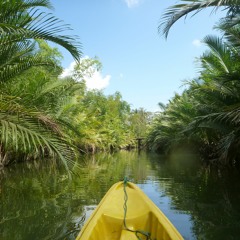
pixel 107 221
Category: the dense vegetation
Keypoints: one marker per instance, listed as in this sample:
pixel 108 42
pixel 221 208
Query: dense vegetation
pixel 206 114
pixel 41 113
pixel 45 115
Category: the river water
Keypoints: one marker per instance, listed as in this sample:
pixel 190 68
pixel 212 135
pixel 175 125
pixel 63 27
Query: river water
pixel 38 201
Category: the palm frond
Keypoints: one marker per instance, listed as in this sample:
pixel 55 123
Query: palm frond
pixel 176 12
pixel 36 24
pixel 32 133
pixel 14 68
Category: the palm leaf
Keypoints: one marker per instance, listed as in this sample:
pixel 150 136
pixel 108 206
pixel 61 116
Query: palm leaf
pixel 176 12
pixel 19 25
pixel 32 133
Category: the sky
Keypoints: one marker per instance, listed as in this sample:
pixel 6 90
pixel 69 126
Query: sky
pixel 137 61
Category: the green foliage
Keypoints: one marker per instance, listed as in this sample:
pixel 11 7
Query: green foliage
pixel 43 115
pixel 102 121
pixel 139 121
pixel 28 128
pixel 21 25
pixel 206 115
pixel 178 11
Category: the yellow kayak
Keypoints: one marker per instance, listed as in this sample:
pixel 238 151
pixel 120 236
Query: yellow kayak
pixel 126 213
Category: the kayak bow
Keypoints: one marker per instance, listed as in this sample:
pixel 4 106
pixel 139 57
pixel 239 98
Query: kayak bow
pixel 125 213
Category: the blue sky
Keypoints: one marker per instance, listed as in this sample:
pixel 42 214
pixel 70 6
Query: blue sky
pixel 139 63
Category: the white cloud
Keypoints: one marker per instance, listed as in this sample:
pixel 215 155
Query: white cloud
pixel 132 3
pixel 197 43
pixel 95 81
pixel 68 71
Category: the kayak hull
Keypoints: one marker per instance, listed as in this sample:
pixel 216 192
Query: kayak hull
pixel 142 217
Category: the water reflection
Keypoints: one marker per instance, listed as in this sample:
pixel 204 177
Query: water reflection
pixel 39 202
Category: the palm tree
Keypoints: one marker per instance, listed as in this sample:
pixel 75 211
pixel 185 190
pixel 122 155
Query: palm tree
pixel 218 98
pixel 207 113
pixel 175 12
pixel 21 25
pixel 31 124
pixel 168 127
pixel 26 131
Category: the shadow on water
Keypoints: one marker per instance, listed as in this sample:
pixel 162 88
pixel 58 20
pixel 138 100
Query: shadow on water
pixel 39 202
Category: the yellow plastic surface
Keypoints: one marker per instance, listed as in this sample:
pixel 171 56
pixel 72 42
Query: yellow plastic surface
pixel 106 222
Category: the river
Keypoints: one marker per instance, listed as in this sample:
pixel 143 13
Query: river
pixel 38 201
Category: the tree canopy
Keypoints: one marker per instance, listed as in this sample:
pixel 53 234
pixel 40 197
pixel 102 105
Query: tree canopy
pixel 43 115
pixel 206 114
